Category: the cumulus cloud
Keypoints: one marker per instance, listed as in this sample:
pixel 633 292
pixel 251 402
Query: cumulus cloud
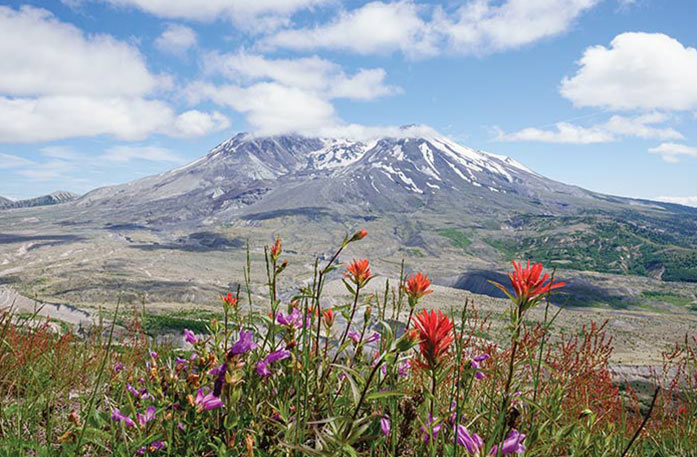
pixel 57 82
pixel 271 108
pixel 176 39
pixel 310 73
pixel 40 55
pixel 686 201
pixel 672 152
pixel 286 95
pixel 642 126
pixel 417 30
pixel 638 71
pixel 54 117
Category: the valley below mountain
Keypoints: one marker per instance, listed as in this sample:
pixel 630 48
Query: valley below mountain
pixel 177 240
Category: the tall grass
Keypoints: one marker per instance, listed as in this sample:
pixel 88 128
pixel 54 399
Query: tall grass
pixel 375 376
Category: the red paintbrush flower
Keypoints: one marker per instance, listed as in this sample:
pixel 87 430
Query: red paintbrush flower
pixel 328 317
pixel 229 301
pixel 529 283
pixel 276 249
pixel 417 286
pixel 435 336
pixel 359 272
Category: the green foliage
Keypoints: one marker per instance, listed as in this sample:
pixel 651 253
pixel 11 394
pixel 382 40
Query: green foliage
pixel 667 297
pixel 595 243
pixel 457 239
pixel 288 381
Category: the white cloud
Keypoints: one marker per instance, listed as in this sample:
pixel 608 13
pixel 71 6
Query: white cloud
pixel 286 95
pixel 271 108
pixel 563 132
pixel 686 201
pixel 310 73
pixel 58 117
pixel 196 123
pixel 40 55
pixel 483 26
pixel 376 27
pixel 416 30
pixel 268 11
pixel 127 153
pixel 56 82
pixel 638 71
pixel 642 126
pixel 47 171
pixel 671 152
pixel 13 161
pixel 176 39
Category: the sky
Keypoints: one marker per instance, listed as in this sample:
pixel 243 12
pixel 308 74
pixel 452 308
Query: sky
pixel 597 93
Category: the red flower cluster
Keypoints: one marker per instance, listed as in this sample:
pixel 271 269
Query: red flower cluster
pixel 417 286
pixel 435 332
pixel 229 300
pixel 359 272
pixel 328 317
pixel 527 283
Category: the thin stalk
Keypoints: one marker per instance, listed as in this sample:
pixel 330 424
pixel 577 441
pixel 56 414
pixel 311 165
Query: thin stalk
pixel 643 423
pixel 99 377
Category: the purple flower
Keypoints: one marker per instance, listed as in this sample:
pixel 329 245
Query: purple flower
pixel 215 371
pixel 149 415
pixel 511 445
pixel 355 336
pixel 430 431
pixel 118 367
pixel 180 426
pixel 383 370
pixel 403 368
pixel 153 354
pixel 206 402
pixel 132 390
pixel 263 369
pixel 244 344
pixel 476 365
pixel 472 442
pixel 481 358
pixel 190 337
pixel 277 355
pixel 385 425
pixel 118 417
pixel 154 446
pixel 142 393
pixel 294 319
pixel 220 380
pixel 374 337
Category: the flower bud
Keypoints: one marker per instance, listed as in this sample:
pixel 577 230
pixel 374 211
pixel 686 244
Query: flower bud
pixel 359 235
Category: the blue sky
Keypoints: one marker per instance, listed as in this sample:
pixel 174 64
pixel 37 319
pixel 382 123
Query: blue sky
pixel 597 93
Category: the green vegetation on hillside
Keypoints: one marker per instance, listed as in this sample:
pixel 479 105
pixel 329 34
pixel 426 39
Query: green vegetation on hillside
pixel 598 243
pixel 457 238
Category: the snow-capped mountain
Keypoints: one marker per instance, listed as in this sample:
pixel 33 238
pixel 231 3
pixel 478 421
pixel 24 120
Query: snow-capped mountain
pixel 258 177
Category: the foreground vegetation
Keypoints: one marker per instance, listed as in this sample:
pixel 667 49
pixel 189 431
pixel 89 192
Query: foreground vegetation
pixel 357 379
